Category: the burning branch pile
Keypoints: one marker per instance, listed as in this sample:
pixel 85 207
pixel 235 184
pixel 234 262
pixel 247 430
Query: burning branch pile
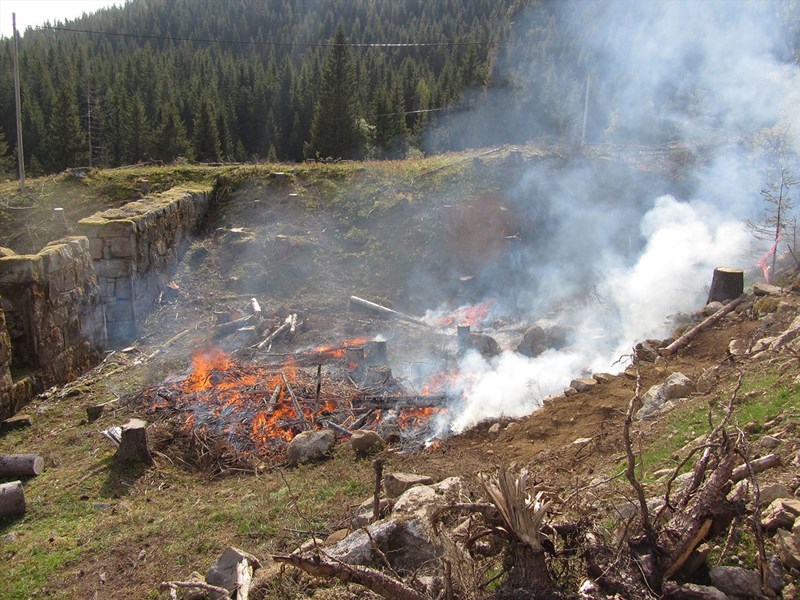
pixel 243 411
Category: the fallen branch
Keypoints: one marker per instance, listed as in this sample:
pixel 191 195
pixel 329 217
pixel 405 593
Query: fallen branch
pixel 384 311
pixel 174 585
pixel 279 331
pixel 373 580
pixel 689 335
pixel 231 326
pixel 756 466
pixel 295 402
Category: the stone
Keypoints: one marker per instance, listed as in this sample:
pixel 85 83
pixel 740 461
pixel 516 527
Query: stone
pixel 233 571
pixel 397 483
pixel 420 501
pixel 780 514
pixel 657 397
pixel 539 338
pixel 336 537
pixel 647 351
pixel 309 446
pixel 712 307
pixel 765 289
pixel 737 348
pixel 364 442
pixel 484 344
pixel 736 581
pixel 770 442
pixel 694 591
pixel 194 593
pixel 363 514
pixel 603 377
pixel 787 549
pixel 769 493
pixel 494 430
pixel 775 573
pixel 404 543
pixel 583 384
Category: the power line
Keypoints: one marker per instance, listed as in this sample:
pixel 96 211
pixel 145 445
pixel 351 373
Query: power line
pixel 270 43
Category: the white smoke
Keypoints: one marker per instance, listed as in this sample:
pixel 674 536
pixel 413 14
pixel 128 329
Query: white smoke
pixel 730 60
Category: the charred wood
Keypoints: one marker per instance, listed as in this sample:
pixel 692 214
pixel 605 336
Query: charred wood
pixel 380 401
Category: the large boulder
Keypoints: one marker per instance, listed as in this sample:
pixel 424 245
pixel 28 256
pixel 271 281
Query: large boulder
pixel 538 338
pixel 310 446
pixel 365 441
pixel 658 397
pixel 736 581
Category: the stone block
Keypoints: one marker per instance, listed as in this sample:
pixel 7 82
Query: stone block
pixel 99 227
pixel 116 267
pixel 121 310
pixel 120 247
pixel 24 268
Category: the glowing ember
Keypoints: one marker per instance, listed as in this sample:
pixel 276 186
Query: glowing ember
pixel 474 316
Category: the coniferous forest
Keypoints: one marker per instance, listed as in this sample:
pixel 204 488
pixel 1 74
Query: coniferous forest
pixel 239 80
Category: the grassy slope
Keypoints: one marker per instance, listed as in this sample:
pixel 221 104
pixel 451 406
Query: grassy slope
pixel 94 527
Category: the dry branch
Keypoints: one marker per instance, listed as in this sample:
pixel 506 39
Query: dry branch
pixel 375 581
pixel 757 466
pixel 172 585
pixel 295 402
pixel 384 311
pixel 231 326
pixel 705 324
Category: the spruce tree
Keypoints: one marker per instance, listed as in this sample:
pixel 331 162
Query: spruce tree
pixel 171 141
pixel 6 160
pixel 334 130
pixel 65 144
pixel 206 136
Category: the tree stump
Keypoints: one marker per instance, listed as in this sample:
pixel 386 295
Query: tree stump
pixel 726 284
pixel 20 465
pixel 12 499
pixel 133 443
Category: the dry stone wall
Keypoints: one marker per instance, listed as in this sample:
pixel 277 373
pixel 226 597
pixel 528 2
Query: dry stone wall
pixel 52 327
pixel 136 249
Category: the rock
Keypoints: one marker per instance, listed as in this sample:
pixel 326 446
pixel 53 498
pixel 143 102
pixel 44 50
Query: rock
pixel 647 351
pixel 780 514
pixel 765 289
pixel 708 379
pixel 310 446
pixel 234 571
pixel 363 515
pixel 769 493
pixel 787 549
pixel 775 573
pixel 570 391
pixel 583 384
pixel 364 442
pixel 657 397
pixel 693 591
pixel 336 537
pixel 494 430
pixel 737 348
pixel 404 543
pixel 397 483
pixel 736 581
pixel 602 377
pixel 420 501
pixel 484 344
pixel 538 339
pixel 770 442
pixel 712 307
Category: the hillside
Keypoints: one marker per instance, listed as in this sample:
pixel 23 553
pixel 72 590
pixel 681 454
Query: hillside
pixel 414 235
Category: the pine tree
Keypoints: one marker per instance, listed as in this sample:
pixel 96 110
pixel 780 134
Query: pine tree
pixel 335 130
pixel 66 142
pixel 171 140
pixel 6 160
pixel 206 136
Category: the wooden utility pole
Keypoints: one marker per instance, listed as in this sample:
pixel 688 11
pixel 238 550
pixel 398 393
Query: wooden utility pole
pixel 20 153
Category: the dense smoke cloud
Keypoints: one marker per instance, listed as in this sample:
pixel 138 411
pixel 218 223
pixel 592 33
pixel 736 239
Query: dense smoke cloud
pixel 711 78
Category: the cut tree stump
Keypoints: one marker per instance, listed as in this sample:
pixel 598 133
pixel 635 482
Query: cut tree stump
pixel 20 465
pixel 12 499
pixel 133 443
pixel 726 284
pixel 15 422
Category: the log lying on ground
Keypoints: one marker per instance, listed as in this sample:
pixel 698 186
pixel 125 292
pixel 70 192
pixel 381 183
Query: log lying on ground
pixel 288 324
pixel 20 465
pixel 373 580
pixel 386 312
pixel 15 422
pixel 726 284
pixel 12 499
pixel 758 465
pixel 231 326
pixel 133 443
pixel 375 401
pixel 689 335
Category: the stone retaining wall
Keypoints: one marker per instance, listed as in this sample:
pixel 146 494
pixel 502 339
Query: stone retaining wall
pixel 136 249
pixel 52 327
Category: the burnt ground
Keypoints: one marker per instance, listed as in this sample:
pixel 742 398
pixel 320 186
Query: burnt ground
pixel 299 245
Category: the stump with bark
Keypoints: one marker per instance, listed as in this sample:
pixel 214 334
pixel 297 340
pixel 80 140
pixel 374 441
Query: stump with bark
pixel 726 284
pixel 133 443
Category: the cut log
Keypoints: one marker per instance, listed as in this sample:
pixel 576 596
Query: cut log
pixel 20 465
pixel 133 443
pixel 15 422
pixel 758 465
pixel 255 307
pixel 12 499
pixel 383 311
pixel 275 334
pixel 726 284
pixel 231 326
pixel 689 335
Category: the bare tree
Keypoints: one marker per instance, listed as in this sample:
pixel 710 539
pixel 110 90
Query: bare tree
pixel 776 215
